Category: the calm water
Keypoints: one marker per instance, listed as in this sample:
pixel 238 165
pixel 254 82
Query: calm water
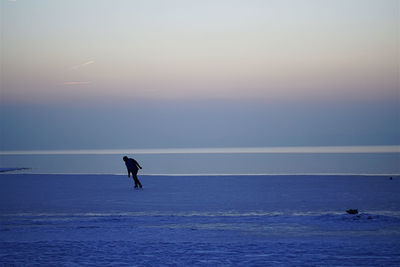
pixel 283 160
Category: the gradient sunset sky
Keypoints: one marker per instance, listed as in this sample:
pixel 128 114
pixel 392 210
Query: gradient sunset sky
pixel 146 74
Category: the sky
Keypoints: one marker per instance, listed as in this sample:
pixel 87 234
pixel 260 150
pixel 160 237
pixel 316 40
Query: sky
pixel 170 74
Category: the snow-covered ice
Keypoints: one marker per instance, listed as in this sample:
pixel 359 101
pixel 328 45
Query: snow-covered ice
pixel 199 220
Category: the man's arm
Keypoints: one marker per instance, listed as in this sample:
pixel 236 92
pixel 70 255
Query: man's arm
pixel 137 164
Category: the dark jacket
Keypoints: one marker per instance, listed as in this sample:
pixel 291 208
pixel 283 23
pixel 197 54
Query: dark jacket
pixel 132 165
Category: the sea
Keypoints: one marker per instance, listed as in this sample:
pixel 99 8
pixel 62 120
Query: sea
pixel 326 160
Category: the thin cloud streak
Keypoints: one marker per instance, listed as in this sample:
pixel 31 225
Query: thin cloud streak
pixel 82 65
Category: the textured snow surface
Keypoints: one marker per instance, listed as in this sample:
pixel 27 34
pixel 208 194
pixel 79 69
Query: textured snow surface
pixel 199 220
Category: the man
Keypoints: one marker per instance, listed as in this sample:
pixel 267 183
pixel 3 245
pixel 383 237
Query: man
pixel 133 167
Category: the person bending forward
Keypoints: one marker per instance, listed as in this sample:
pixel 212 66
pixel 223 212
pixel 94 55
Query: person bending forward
pixel 133 167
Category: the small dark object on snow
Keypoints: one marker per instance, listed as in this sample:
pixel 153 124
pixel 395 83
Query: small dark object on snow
pixel 390 178
pixel 355 211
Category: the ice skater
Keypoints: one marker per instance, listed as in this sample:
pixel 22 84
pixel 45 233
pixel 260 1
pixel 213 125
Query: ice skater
pixel 133 167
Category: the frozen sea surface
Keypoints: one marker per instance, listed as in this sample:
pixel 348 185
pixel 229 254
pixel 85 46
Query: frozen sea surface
pixel 199 220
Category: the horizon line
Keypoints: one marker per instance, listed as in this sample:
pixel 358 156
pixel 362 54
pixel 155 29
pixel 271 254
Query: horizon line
pixel 210 174
pixel 211 150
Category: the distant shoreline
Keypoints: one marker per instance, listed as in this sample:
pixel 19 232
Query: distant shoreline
pixel 2 170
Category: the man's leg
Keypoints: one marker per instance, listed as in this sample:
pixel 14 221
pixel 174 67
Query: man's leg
pixel 137 182
pixel 133 177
